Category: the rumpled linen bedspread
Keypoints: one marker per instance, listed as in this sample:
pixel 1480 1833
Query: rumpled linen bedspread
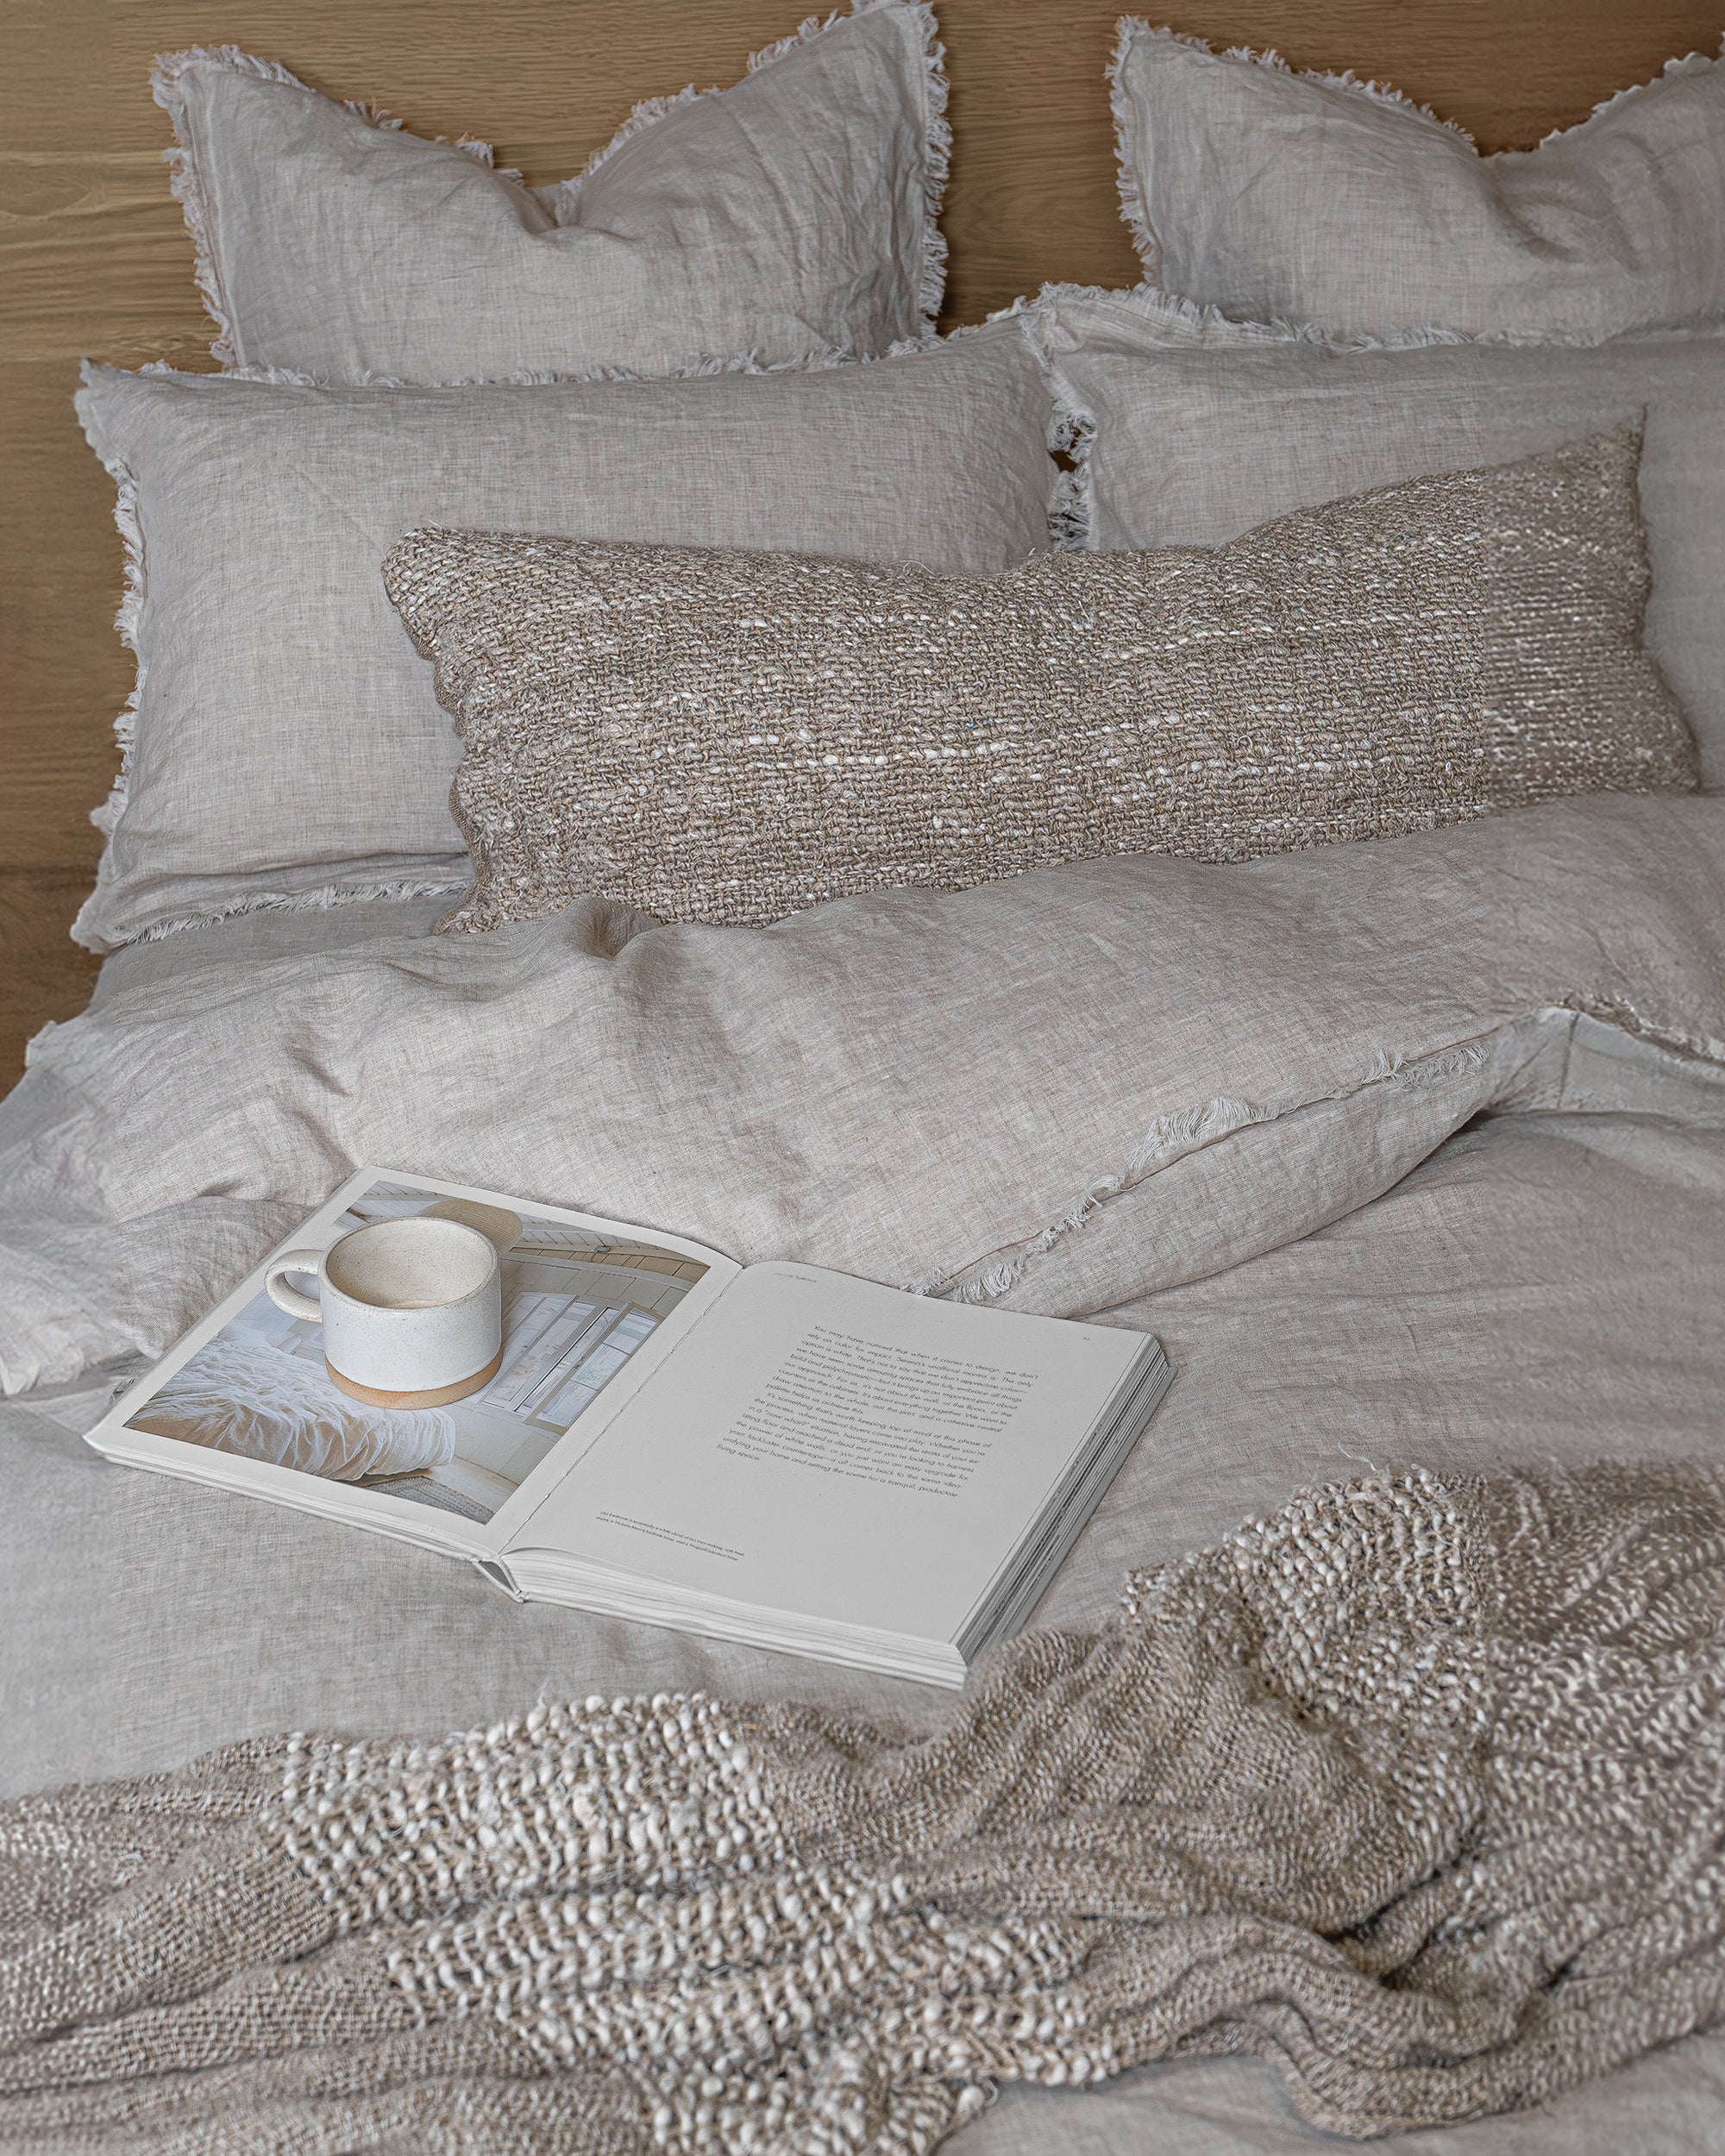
pixel 1060 1092
pixel 1134 1088
pixel 1413 1787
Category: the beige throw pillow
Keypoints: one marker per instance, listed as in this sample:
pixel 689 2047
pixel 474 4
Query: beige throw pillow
pixel 792 213
pixel 728 737
pixel 1311 197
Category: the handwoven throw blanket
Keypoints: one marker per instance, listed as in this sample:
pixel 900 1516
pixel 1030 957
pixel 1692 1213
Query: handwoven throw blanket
pixel 1415 1788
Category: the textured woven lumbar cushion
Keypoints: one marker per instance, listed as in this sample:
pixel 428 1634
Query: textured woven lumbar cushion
pixel 284 746
pixel 790 214
pixel 1320 198
pixel 729 736
pixel 1191 430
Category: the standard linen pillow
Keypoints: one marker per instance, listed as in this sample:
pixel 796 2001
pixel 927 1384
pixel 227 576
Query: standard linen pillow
pixel 1320 198
pixel 792 213
pixel 729 737
pixel 285 744
pixel 1192 430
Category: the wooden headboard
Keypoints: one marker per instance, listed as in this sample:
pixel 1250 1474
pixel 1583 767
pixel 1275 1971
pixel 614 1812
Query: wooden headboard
pixel 94 258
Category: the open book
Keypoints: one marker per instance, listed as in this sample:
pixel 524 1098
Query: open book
pixel 771 1453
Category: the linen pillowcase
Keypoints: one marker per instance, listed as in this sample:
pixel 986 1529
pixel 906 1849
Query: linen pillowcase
pixel 792 213
pixel 729 737
pixel 285 745
pixel 1320 198
pixel 1191 430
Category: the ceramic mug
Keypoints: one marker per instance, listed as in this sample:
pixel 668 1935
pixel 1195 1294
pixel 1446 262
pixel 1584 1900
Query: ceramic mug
pixel 411 1310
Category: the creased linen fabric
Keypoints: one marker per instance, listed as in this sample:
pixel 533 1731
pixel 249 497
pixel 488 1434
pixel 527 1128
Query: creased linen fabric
pixel 1410 1786
pixel 1278 195
pixel 285 742
pixel 791 214
pixel 1545 1283
pixel 729 737
pixel 1545 1287
pixel 1063 1089
pixel 1192 428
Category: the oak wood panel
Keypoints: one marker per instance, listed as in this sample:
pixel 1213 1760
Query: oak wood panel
pixel 47 975
pixel 64 673
pixel 94 258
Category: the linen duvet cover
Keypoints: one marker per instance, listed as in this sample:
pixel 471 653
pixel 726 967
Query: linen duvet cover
pixel 1411 1152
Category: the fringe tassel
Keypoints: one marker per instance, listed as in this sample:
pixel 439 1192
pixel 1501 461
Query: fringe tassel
pixel 936 160
pixel 128 620
pixel 1134 27
pixel 1070 507
pixel 1132 206
pixel 322 900
pixel 1169 1139
pixel 1070 431
pixel 822 357
pixel 1690 64
pixel 1202 322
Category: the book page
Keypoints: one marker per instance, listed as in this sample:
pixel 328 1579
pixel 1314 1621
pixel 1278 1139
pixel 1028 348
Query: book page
pixel 585 1307
pixel 827 1446
pixel 850 1408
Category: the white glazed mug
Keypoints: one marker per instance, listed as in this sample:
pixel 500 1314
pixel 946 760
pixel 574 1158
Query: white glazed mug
pixel 411 1310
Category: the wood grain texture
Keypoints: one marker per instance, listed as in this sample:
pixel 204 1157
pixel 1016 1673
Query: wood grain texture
pixel 46 975
pixel 94 258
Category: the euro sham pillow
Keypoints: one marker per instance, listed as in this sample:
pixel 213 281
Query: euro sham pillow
pixel 285 745
pixel 1319 199
pixel 730 737
pixel 1191 430
pixel 792 213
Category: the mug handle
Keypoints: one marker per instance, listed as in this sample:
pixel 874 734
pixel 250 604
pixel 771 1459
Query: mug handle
pixel 290 1298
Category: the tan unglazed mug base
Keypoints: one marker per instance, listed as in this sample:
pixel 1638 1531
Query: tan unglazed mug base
pixel 439 1396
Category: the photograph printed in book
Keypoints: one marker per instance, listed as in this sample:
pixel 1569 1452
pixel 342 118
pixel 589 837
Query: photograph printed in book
pixel 575 1308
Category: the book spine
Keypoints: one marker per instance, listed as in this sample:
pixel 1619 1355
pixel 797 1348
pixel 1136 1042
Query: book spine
pixel 500 1576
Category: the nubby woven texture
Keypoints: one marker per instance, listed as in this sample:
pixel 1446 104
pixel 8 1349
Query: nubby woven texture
pixel 1412 1788
pixel 727 736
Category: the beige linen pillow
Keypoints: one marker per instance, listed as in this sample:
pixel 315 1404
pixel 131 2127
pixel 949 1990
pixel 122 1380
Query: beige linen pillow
pixel 1192 430
pixel 792 213
pixel 1320 198
pixel 727 738
pixel 285 746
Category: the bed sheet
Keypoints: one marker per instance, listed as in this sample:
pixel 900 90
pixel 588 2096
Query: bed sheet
pixel 1052 1092
pixel 271 933
pixel 1547 1287
pixel 1544 1286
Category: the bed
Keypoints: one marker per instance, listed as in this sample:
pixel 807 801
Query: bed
pixel 1415 1161
pixel 1543 1286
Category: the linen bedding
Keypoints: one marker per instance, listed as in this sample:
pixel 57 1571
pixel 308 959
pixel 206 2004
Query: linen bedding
pixel 1412 1151
pixel 229 1614
pixel 1280 196
pixel 285 743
